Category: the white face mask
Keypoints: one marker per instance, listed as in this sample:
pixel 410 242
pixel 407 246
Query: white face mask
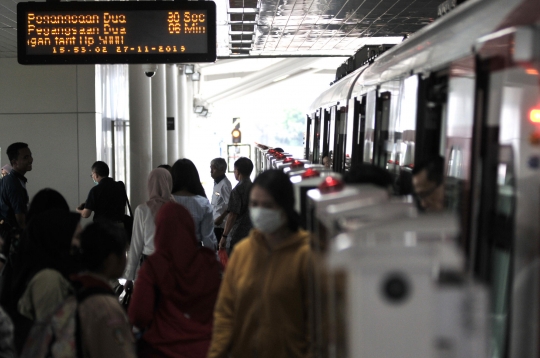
pixel 266 220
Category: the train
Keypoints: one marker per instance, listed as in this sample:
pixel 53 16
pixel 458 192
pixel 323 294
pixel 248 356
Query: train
pixel 465 88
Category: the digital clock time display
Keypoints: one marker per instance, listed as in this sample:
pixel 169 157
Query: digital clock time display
pixel 116 32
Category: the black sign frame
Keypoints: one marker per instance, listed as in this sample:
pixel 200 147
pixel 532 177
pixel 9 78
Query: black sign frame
pixel 113 58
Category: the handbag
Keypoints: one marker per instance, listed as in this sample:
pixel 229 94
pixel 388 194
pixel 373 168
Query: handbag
pixel 127 220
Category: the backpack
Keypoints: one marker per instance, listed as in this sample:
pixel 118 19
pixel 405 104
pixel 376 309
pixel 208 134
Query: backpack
pixel 58 335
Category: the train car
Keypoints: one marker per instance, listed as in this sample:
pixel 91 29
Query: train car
pixel 465 88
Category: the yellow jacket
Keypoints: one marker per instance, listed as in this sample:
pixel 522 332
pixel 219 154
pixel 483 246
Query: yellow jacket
pixel 262 307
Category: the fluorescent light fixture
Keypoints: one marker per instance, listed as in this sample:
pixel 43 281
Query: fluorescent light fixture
pixel 198 109
pixel 196 76
pixel 204 112
pixel 189 69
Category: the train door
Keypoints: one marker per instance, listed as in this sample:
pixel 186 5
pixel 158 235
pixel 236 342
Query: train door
pixel 326 119
pixel 340 140
pixel 308 138
pixel 316 125
pixel 356 122
pixel 431 116
pixel 382 122
pixel 506 192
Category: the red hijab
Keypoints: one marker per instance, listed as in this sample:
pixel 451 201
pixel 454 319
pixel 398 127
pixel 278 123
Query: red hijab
pixel 190 273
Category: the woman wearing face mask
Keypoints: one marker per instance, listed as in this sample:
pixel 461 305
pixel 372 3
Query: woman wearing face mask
pixel 262 304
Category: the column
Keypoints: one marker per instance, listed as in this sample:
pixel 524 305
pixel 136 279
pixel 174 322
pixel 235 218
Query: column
pixel 159 117
pixel 182 113
pixel 140 139
pixel 172 114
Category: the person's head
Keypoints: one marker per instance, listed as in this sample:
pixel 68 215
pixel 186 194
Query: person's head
pixel 243 168
pixel 20 157
pixel 159 188
pixel 47 243
pixel 327 162
pixel 49 239
pixel 271 202
pixel 186 177
pixel 165 166
pixel 103 249
pixel 218 167
pixel 6 169
pixel 46 199
pixel 369 174
pixel 428 183
pixel 100 170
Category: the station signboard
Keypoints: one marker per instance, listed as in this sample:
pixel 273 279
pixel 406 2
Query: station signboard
pixel 108 32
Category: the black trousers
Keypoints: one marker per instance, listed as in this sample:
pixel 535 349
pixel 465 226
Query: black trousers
pixel 218 232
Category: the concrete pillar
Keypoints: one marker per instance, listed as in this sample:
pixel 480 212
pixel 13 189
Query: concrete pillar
pixel 182 114
pixel 159 117
pixel 189 147
pixel 140 139
pixel 172 112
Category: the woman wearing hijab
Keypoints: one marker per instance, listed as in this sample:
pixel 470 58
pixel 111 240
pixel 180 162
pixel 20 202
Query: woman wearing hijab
pixel 142 239
pixel 176 290
pixel 42 283
pixel 262 307
pixel 189 192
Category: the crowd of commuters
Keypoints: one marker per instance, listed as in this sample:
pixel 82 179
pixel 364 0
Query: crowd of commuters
pixel 57 275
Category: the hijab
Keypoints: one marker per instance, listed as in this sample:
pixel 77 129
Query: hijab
pixel 188 274
pixel 159 189
pixel 47 244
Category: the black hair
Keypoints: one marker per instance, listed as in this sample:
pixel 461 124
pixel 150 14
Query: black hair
pixel 369 174
pixel 219 163
pixel 101 169
pixel 280 188
pixel 186 177
pixel 434 167
pixel 13 151
pixel 98 241
pixel 244 166
pixel 44 200
pixel 165 166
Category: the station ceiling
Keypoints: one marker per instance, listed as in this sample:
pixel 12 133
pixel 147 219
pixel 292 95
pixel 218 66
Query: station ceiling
pixel 290 28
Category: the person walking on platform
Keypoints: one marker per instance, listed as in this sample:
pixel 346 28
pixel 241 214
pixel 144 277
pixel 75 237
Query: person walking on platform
pixel 189 192
pixel 107 199
pixel 262 307
pixel 176 290
pixel 238 223
pixel 142 239
pixel 220 194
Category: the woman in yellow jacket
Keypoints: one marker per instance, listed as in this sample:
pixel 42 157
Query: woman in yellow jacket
pixel 262 307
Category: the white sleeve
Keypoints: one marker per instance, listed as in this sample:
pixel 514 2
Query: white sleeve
pixel 137 244
pixel 207 228
pixel 226 193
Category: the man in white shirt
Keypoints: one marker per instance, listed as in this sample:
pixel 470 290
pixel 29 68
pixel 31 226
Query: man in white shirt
pixel 220 194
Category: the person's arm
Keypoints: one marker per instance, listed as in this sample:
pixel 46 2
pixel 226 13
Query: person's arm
pixel 225 194
pixel 137 244
pixel 85 213
pixel 143 300
pixel 228 226
pixel 224 315
pixel 207 229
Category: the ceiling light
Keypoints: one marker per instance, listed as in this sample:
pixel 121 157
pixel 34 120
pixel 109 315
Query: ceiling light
pixel 204 112
pixel 198 109
pixel 189 69
pixel 196 76
pixel 280 78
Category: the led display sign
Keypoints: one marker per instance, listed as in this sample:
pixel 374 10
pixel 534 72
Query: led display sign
pixel 94 32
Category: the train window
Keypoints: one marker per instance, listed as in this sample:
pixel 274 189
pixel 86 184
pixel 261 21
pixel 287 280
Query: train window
pixel 316 137
pixel 308 138
pixel 406 124
pixel 334 120
pixel 370 126
pixel 325 120
pixel 382 124
pixel 356 120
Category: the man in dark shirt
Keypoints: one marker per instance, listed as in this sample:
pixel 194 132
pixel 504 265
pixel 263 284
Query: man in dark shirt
pixel 107 199
pixel 238 222
pixel 14 197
